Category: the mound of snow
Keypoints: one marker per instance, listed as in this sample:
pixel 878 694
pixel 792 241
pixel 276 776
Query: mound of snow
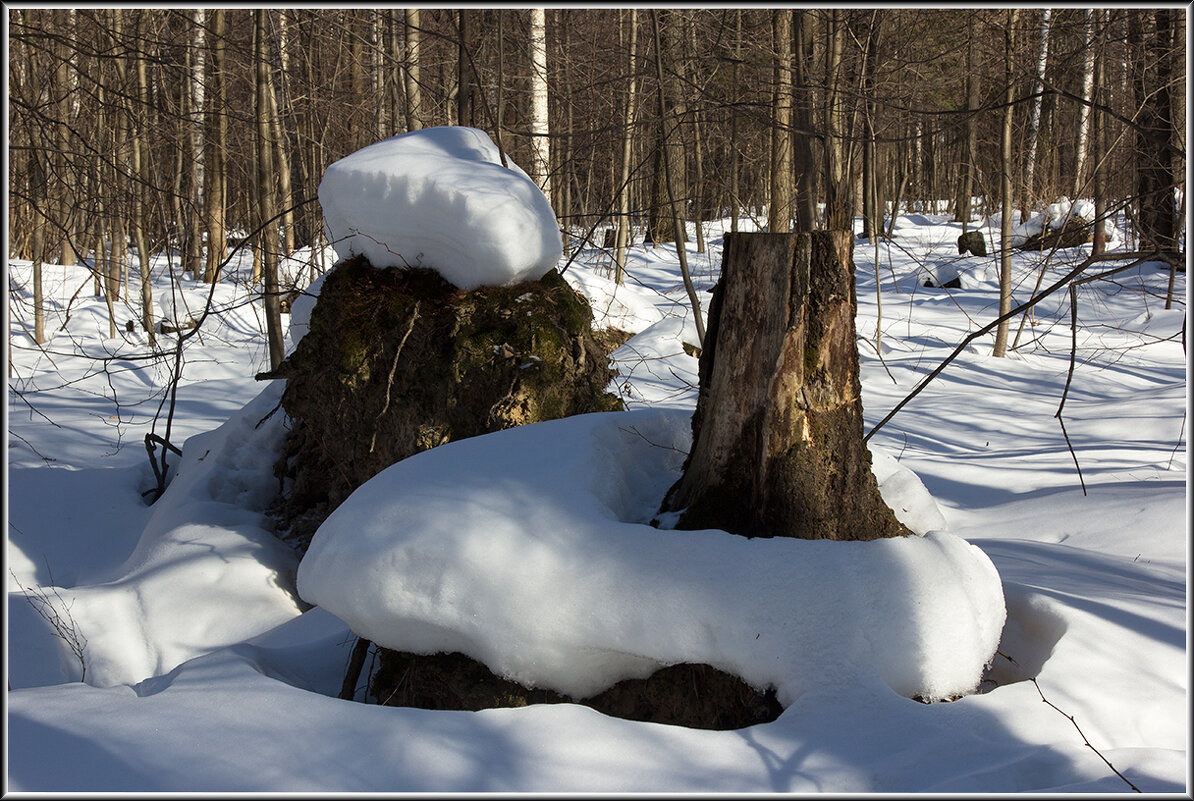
pixel 440 198
pixel 202 554
pixel 1055 219
pixel 525 549
pixel 627 308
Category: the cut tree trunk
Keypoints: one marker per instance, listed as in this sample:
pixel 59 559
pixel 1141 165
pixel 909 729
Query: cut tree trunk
pixel 777 433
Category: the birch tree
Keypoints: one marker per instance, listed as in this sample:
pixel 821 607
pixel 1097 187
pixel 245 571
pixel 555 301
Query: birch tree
pixel 622 237
pixel 1088 84
pixel 540 128
pixel 1034 119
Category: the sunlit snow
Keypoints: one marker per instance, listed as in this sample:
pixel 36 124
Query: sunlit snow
pixel 203 666
pixel 440 198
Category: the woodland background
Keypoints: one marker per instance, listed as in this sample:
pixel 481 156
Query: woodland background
pixel 190 131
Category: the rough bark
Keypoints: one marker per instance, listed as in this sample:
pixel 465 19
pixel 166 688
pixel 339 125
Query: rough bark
pixel 777 433
pixel 779 209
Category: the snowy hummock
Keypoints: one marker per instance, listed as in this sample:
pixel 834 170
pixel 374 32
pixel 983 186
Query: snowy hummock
pixel 1056 217
pixel 440 198
pixel 524 549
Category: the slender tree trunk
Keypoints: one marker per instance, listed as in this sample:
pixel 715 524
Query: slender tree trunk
pixel 410 74
pixel 196 98
pixel 966 169
pixel 735 190
pixel 63 184
pixel 669 157
pixel 804 154
pixel 779 210
pixel 217 138
pixel 1088 87
pixel 1005 228
pixel 564 166
pixel 622 238
pixel 678 220
pixel 266 192
pixel 465 78
pixel 281 162
pixel 838 212
pixel 872 218
pixel 698 191
pixel 1099 125
pixel 540 129
pixel 140 168
pixel 1034 120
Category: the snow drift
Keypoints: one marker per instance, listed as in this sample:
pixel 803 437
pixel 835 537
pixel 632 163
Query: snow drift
pixel 527 550
pixel 440 198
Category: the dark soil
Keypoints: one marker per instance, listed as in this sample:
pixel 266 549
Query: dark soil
pixel 696 696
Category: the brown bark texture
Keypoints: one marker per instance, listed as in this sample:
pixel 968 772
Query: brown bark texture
pixel 777 433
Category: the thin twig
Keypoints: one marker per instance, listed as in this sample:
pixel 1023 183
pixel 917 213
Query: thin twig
pixel 1070 377
pixel 393 367
pixel 1084 739
pixel 987 329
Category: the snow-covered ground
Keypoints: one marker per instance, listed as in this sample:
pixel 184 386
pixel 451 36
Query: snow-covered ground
pixel 204 670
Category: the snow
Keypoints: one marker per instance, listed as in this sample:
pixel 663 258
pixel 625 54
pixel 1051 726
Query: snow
pixel 460 547
pixel 203 665
pixel 1055 218
pixel 440 198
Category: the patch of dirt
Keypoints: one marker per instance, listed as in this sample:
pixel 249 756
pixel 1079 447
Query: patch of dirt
pixel 692 695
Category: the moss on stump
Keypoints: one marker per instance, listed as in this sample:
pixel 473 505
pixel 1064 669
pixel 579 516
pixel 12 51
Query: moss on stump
pixel 400 361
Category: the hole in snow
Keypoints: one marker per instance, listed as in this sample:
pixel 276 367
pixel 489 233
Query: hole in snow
pixel 1030 633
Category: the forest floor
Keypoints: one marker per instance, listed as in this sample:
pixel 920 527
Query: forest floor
pixel 164 648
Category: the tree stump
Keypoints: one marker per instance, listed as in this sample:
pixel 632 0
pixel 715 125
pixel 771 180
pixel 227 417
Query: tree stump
pixel 972 242
pixel 777 447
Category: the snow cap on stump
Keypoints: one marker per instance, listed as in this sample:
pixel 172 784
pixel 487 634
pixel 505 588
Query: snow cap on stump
pixel 440 198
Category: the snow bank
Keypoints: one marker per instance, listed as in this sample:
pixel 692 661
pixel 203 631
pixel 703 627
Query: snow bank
pixel 1055 218
pixel 301 308
pixel 627 308
pixel 527 549
pixel 201 555
pixel 440 198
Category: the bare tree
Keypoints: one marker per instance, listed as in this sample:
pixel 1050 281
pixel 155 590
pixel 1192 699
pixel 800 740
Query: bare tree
pixel 622 238
pixel 1005 193
pixel 410 72
pixel 266 192
pixel 540 166
pixel 779 210
pixel 1034 119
